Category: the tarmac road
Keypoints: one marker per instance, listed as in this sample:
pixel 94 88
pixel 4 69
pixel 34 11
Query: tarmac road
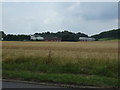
pixel 8 84
pixel 17 84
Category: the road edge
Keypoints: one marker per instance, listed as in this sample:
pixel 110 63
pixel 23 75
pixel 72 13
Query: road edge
pixel 51 84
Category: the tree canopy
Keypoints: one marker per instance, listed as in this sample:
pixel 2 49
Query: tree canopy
pixel 64 35
pixel 112 34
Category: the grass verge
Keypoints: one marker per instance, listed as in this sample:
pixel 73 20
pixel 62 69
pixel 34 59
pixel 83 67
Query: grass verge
pixel 89 80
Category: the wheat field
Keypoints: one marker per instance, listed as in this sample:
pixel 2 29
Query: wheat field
pixel 103 50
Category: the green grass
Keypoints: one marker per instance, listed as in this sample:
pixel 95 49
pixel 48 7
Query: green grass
pixel 90 80
pixel 104 39
pixel 96 74
pixel 54 66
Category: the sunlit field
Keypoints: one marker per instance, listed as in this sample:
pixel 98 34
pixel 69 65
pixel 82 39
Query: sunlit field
pixel 98 58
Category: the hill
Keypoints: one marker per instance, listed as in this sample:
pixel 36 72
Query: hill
pixel 108 35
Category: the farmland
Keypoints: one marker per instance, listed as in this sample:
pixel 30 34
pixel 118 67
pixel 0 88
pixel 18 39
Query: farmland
pixel 82 63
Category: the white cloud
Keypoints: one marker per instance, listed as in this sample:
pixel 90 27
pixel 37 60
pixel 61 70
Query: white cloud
pixel 0 16
pixel 46 21
pixel 73 6
pixel 78 17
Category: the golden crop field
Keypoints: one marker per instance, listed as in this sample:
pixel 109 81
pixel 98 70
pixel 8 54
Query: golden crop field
pixel 98 50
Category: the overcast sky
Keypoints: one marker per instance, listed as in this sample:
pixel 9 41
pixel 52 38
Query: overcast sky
pixel 86 17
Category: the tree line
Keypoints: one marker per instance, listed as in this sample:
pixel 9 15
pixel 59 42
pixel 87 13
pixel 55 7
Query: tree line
pixel 112 34
pixel 65 35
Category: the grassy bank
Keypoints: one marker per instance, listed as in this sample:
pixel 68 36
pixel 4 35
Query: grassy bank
pixel 83 63
pixel 90 80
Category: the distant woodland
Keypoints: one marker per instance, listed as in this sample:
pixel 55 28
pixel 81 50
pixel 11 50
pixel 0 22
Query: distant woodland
pixel 108 35
pixel 65 35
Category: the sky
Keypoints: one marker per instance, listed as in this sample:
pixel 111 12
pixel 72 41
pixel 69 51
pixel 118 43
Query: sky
pixel 34 17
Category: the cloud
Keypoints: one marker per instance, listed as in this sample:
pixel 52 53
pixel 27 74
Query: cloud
pixel 34 17
pixel 99 11
pixel 73 6
pixel 0 16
